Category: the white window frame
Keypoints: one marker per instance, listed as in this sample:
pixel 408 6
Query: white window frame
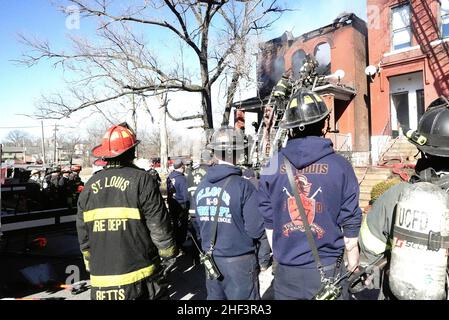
pixel 444 14
pixel 397 31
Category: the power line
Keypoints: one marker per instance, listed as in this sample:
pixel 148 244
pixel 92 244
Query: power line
pixel 31 127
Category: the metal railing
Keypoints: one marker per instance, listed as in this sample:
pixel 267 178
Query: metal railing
pixel 381 144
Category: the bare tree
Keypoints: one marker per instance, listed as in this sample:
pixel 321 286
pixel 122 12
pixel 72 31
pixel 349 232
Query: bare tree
pixel 123 62
pixel 151 143
pixel 18 138
pixel 67 144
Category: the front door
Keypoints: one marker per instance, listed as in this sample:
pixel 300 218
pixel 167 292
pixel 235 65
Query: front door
pixel 405 102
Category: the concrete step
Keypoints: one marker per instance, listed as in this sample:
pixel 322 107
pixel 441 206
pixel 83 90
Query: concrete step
pixel 374 176
pixel 364 188
pixel 371 170
pixel 402 149
pixel 370 183
pixel 365 196
pixel 402 156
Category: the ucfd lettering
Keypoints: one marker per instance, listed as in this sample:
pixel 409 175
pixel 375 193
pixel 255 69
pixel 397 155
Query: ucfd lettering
pixel 413 219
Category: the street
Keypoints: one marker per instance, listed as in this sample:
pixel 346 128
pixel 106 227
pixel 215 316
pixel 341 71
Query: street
pixel 37 273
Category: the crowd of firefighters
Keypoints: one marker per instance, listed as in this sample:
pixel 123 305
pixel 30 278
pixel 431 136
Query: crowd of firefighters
pixel 304 207
pixel 44 188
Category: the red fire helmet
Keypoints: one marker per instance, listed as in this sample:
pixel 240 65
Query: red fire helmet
pixel 100 163
pixel 117 140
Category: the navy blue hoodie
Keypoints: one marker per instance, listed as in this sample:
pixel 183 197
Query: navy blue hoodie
pixel 239 223
pixel 177 185
pixel 330 195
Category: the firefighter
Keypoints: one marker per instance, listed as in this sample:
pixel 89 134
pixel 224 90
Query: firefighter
pixel 398 223
pixel 263 246
pixel 123 226
pixel 66 187
pixel 35 177
pixel 178 202
pixel 198 173
pixel 34 186
pixel 329 193
pixel 229 224
pixel 154 173
pixel 76 184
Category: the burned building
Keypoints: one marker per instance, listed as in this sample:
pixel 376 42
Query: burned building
pixel 341 45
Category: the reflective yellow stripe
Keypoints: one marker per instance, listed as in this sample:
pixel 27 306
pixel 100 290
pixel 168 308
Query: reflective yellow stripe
pixel 308 99
pixel 293 103
pixel 122 279
pixel 371 243
pixel 111 213
pixel 170 251
pixel 280 84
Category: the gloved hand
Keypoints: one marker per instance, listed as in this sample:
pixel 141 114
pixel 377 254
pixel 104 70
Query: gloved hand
pixel 168 265
pixel 360 280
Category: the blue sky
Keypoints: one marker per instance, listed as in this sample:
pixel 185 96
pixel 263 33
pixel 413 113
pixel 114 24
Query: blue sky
pixel 21 87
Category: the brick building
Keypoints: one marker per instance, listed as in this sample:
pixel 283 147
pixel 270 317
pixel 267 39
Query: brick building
pixel 408 45
pixel 340 45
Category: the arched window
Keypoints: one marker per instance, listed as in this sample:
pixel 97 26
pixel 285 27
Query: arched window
pixel 297 62
pixel 323 56
pixel 278 68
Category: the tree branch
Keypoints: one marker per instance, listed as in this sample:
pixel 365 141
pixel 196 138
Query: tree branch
pixel 197 116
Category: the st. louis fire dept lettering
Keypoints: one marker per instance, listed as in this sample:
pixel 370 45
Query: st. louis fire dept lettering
pixel 413 219
pixel 110 182
pixel 109 225
pixel 117 294
pixel 317 168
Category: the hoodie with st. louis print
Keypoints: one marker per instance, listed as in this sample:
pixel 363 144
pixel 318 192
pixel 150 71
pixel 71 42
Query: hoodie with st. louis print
pixel 329 192
pixel 239 222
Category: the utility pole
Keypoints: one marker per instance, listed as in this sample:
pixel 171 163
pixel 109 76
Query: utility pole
pixel 163 133
pixel 54 151
pixel 43 143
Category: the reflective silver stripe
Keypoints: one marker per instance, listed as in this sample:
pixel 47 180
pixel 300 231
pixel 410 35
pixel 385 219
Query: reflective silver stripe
pixel 371 242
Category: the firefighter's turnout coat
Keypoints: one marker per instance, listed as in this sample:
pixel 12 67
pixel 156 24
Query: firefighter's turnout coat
pixel 123 230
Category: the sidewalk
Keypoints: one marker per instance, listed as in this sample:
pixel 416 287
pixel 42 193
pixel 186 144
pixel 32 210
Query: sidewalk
pixel 187 282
